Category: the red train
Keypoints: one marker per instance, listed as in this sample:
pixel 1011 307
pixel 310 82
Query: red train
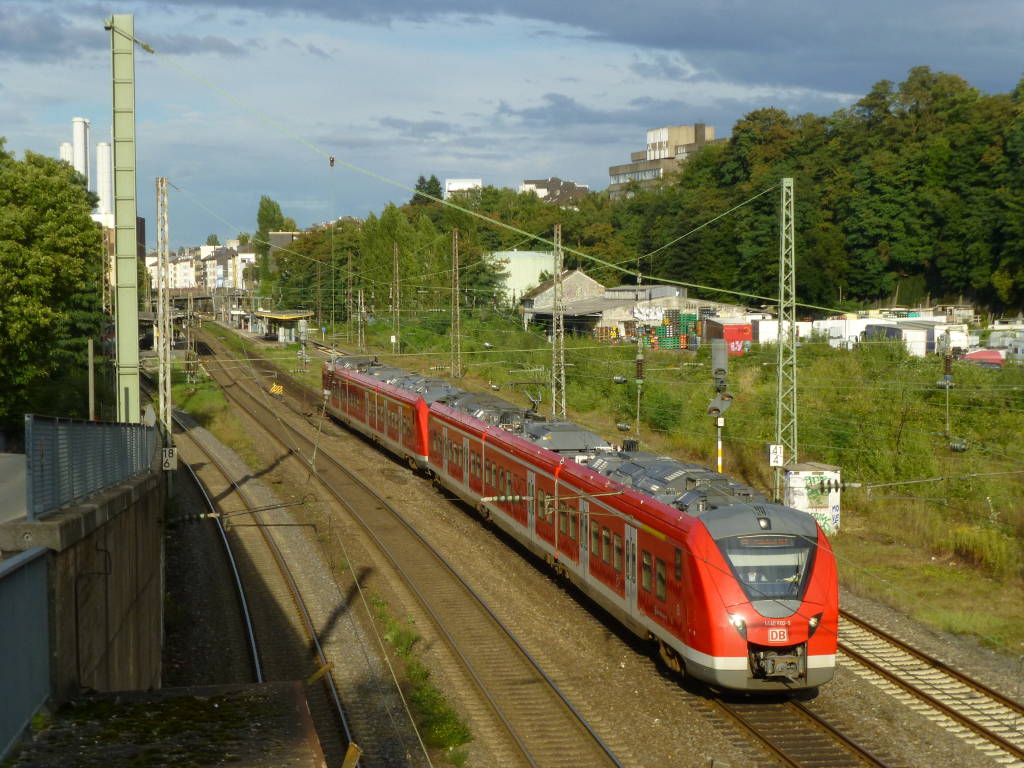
pixel 736 591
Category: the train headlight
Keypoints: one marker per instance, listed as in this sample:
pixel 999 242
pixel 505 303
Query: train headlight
pixel 812 625
pixel 739 624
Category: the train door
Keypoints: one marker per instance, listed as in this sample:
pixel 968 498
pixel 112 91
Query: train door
pixel 584 532
pixel 465 461
pixel 531 496
pixel 631 568
pixel 446 451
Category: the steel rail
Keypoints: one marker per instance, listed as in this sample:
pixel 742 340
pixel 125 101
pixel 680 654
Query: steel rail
pixel 961 677
pixel 933 701
pixel 239 587
pixel 411 582
pixel 300 604
pixel 797 736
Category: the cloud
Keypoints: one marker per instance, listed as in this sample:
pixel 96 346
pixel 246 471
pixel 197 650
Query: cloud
pixel 844 46
pixel 417 129
pixel 319 52
pixel 663 66
pixel 185 44
pixel 46 37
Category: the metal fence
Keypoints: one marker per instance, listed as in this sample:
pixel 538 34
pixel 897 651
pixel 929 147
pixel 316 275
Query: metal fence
pixel 68 459
pixel 24 642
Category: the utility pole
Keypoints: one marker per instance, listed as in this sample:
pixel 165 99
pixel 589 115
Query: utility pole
pixel 163 311
pixel 360 334
pixel 190 342
pixel 126 300
pixel 558 335
pixel 319 297
pixel 456 331
pixel 396 301
pixel 349 308
pixel 785 404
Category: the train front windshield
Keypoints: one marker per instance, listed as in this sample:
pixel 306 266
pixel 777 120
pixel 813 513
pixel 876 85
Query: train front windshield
pixel 770 566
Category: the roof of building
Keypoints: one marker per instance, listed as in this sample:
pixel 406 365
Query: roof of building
pixel 566 274
pixel 282 314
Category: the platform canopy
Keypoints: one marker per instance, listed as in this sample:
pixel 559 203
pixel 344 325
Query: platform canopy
pixel 282 315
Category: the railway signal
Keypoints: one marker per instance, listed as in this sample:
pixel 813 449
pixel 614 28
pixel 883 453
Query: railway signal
pixel 722 399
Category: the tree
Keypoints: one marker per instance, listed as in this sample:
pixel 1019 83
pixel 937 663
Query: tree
pixel 244 238
pixel 212 240
pixel 268 219
pixel 425 190
pixel 50 277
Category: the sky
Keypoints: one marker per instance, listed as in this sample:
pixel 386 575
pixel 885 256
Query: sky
pixel 249 98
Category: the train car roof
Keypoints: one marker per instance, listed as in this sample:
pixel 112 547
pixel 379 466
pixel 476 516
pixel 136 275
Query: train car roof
pixel 563 436
pixel 745 519
pixel 353 362
pixel 382 386
pixel 681 484
pixel 654 515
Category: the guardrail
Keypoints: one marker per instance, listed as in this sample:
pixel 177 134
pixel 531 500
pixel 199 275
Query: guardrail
pixel 25 643
pixel 70 459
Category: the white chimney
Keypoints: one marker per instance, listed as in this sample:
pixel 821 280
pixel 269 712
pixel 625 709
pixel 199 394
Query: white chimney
pixel 66 153
pixel 104 178
pixel 80 139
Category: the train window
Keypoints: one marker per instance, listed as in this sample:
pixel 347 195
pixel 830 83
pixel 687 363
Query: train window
pixel 606 545
pixel 595 539
pixel 563 518
pixel 679 565
pixel 573 524
pixel 645 571
pixel 659 583
pixel 618 553
pixel 550 513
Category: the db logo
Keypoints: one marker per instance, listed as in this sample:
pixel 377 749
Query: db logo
pixel 778 635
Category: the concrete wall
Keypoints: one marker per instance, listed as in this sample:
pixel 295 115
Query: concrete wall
pixel 106 587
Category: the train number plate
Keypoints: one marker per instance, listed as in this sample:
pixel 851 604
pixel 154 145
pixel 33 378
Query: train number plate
pixel 780 635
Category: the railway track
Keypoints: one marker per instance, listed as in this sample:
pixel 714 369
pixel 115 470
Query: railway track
pixel 797 736
pixel 243 602
pixel 542 726
pixel 992 722
pixel 282 628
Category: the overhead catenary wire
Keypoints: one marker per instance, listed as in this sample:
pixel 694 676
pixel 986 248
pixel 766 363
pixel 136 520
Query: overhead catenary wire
pixel 285 130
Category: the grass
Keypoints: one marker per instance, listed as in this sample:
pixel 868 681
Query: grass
pixel 207 404
pixel 874 411
pixel 439 723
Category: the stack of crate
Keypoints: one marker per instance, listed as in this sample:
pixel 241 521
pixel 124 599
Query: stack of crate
pixel 688 331
pixel 668 336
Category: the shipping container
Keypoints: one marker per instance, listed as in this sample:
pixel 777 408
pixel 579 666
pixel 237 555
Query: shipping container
pixel 735 332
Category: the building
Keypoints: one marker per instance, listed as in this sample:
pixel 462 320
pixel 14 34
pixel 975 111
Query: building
pixel 524 269
pixel 667 148
pixel 590 307
pixel 455 186
pixel 555 190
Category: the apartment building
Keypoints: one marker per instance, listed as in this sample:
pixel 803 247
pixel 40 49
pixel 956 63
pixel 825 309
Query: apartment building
pixel 667 148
